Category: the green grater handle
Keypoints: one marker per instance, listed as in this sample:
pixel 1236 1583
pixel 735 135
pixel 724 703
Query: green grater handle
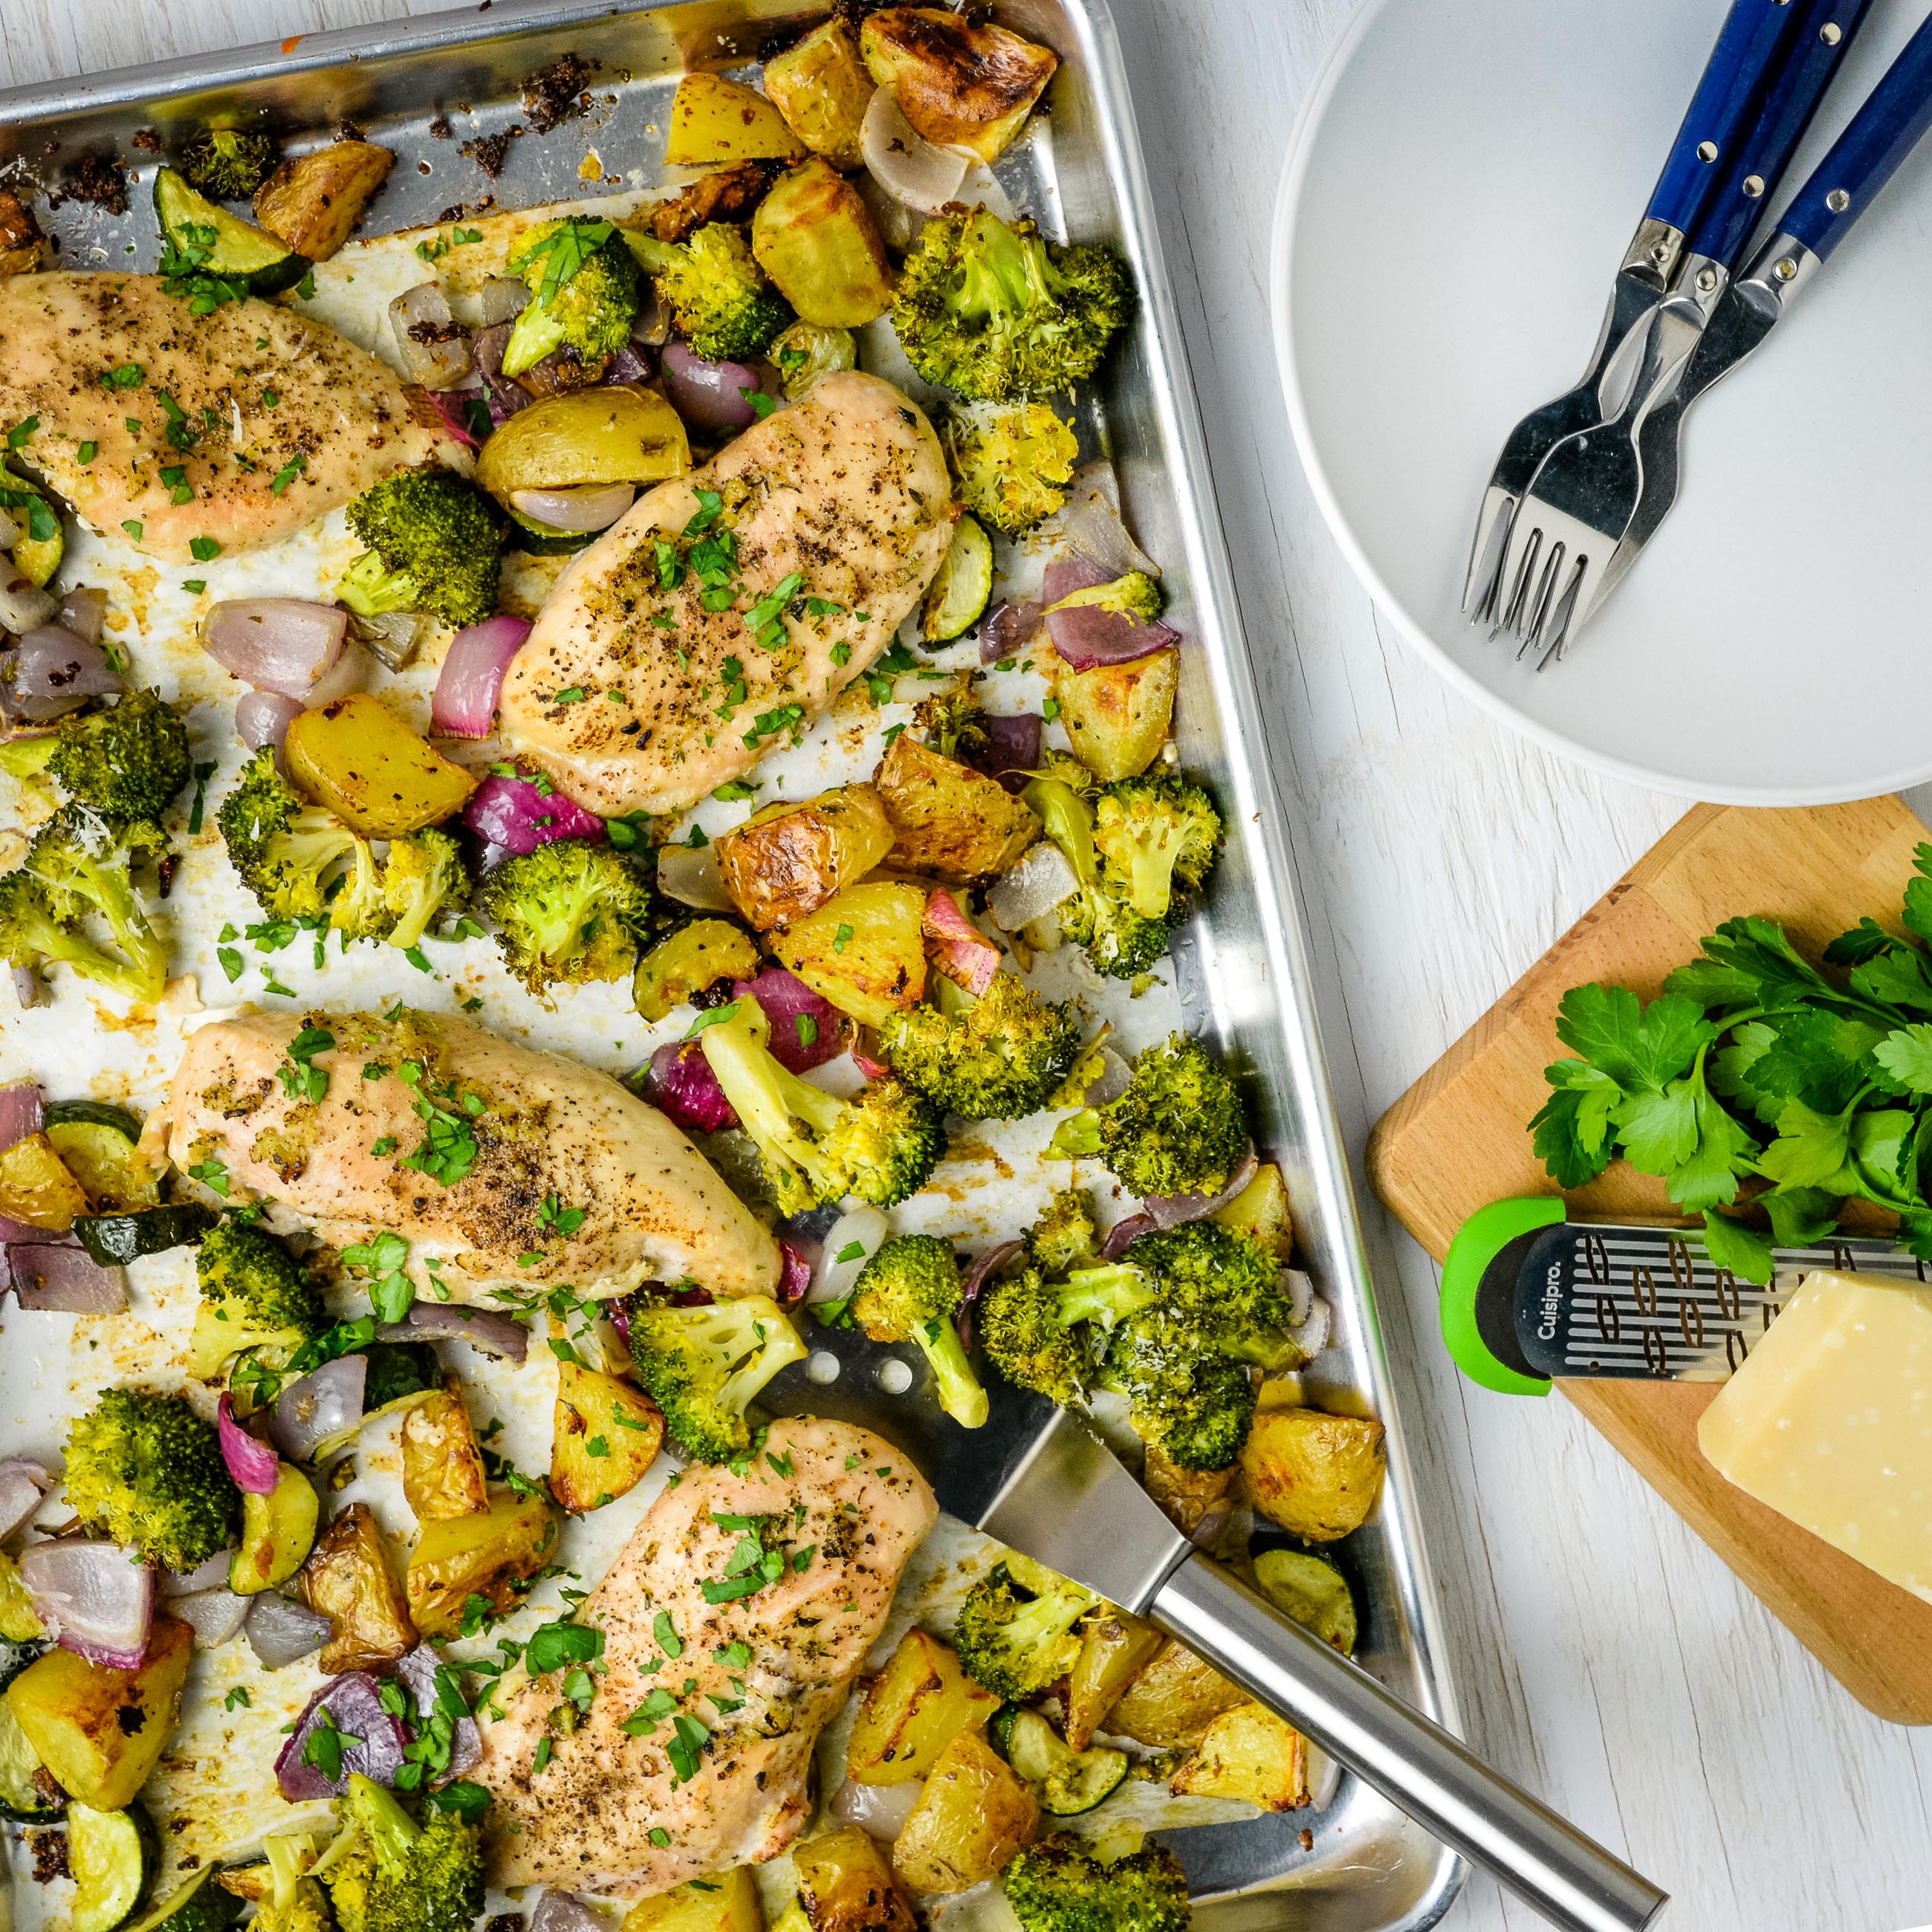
pixel 1488 1248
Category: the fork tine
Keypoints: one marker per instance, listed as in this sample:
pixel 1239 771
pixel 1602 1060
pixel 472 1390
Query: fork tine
pixel 1522 577
pixel 1546 585
pixel 1580 598
pixel 1483 579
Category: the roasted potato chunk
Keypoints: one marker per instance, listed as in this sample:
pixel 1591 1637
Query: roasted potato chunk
pixel 606 1434
pixel 816 239
pixel 1261 1212
pixel 713 120
pixel 1174 1699
pixel 614 433
pixel 822 88
pixel 725 1902
pixel 20 237
pixel 960 86
pixel 974 1814
pixel 1186 1495
pixel 1249 1753
pixel 1114 1647
pixel 349 1579
pixel 913 1709
pixel 865 950
pixel 948 820
pixel 377 774
pixel 694 957
pixel 1317 1474
pixel 36 1186
pixel 844 1885
pixel 788 860
pixel 443 1462
pixel 487 1554
pixel 312 203
pixel 1116 715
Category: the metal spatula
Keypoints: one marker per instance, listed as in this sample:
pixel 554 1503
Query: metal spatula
pixel 1037 1478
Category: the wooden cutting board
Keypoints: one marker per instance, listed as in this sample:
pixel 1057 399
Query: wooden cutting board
pixel 1458 1140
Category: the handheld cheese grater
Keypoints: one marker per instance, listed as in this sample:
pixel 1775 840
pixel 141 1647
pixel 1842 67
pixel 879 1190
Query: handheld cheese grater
pixel 1529 1296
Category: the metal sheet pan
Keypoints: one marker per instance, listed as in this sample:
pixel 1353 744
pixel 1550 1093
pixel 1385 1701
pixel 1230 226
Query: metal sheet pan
pixel 1242 973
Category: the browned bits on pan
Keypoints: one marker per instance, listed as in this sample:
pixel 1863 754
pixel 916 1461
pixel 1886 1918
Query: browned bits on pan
pixel 489 151
pixel 98 179
pixel 553 94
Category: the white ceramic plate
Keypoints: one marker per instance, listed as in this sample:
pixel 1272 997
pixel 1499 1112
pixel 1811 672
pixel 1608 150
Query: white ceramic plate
pixel 1465 178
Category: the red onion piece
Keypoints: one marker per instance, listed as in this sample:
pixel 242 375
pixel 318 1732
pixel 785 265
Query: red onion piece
pixel 53 673
pixel 501 299
pixel 869 1064
pixel 561 1912
pixel 215 1616
pixel 24 606
pixel 255 1467
pixel 57 1277
pixel 1170 1210
pixel 1123 1234
pixel 1007 631
pixel 208 1575
pixel 879 1810
pixel 1311 1337
pixel 96 1598
pixel 433 352
pixel 1211 1526
pixel 263 718
pixel 906 165
pixel 488 1329
pixel 679 1083
pixel 631 364
pixel 786 998
pixel 83 610
pixel 29 990
pixel 709 395
pixel 20 1113
pixel 281 1631
pixel 463 704
pixel 1033 888
pixel 794 1273
pixel 984 1267
pixel 1013 749
pixel 518 814
pixel 960 950
pixel 417 1672
pixel 276 643
pixel 354 1703
pixel 449 405
pixel 327 1402
pixel 691 875
pixel 591 507
pixel 1300 1292
pixel 506 397
pixel 1090 521
pixel 1087 636
pixel 23 1482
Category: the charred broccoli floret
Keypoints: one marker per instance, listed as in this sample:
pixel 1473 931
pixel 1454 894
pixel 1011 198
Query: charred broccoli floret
pixel 1195 1404
pixel 1041 1334
pixel 286 850
pixel 1226 1286
pixel 721 301
pixel 586 291
pixel 1178 1127
pixel 953 720
pixel 146 1472
pixel 992 310
pixel 81 865
pixel 1011 460
pixel 805 351
pixel 254 1294
pixel 705 1366
pixel 435 543
pixel 129 762
pixel 1061 1885
pixel 1135 595
pixel 358 909
pixel 424 877
pixel 999 1057
pixel 229 163
pixel 570 911
pixel 395 1875
pixel 908 1292
pixel 1151 831
pixel 292 1901
pixel 1066 1234
pixel 1017 1631
pixel 1118 941
pixel 881 1144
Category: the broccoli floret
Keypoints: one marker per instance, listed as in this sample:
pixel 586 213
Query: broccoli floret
pixel 423 877
pixel 227 163
pixel 1002 1058
pixel 881 1144
pixel 720 299
pixel 1118 940
pixel 81 864
pixel 994 311
pixel 1060 1885
pixel 1134 595
pixel 359 909
pixel 395 1875
pixel 1065 1234
pixel 705 1366
pixel 570 911
pixel 435 543
pixel 952 720
pixel 1017 1642
pixel 1195 1404
pixel 805 351
pixel 908 1292
pixel 129 762
pixel 586 291
pixel 146 1472
pixel 1224 1284
pixel 286 850
pixel 254 1294
pixel 1011 460
pixel 1020 1327
pixel 1151 831
pixel 292 1902
pixel 1178 1127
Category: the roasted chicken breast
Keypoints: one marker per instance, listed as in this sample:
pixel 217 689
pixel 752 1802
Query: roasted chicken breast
pixel 729 607
pixel 703 1725
pixel 326 1137
pixel 268 419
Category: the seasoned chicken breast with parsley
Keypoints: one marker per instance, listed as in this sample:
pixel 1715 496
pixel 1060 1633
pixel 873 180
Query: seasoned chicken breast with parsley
pixel 233 428
pixel 696 1752
pixel 495 1162
pixel 729 607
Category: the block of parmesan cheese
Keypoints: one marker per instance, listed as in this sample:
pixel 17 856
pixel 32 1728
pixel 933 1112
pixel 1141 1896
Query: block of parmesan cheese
pixel 1829 1420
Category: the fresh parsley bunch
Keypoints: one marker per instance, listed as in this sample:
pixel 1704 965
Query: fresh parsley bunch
pixel 1755 1065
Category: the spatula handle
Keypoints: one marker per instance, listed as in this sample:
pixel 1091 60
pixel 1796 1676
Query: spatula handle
pixel 1414 1763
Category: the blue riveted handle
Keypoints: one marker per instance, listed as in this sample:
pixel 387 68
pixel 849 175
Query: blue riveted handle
pixel 1749 43
pixel 1823 36
pixel 1895 115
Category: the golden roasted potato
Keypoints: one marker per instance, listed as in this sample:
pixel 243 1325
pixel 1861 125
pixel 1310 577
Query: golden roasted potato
pixel 1114 1646
pixel 816 239
pixel 277 1533
pixel 615 434
pixel 726 1901
pixel 974 1814
pixel 36 1186
pixel 694 957
pixel 865 950
pixel 1261 1212
pixel 913 1709
pixel 1186 1495
pixel 788 860
pixel 1248 1753
pixel 487 1554
pixel 1173 1700
pixel 20 237
pixel 442 1462
pixel 960 86
pixel 100 1732
pixel 844 1885
pixel 713 120
pixel 822 88
pixel 1316 1475
pixel 19 1622
pixel 1116 715
pixel 312 203
pixel 349 1579
pixel 378 775
pixel 606 1434
pixel 948 820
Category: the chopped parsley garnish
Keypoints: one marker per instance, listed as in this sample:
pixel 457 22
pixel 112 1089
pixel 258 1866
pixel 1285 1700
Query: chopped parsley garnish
pixel 382 1260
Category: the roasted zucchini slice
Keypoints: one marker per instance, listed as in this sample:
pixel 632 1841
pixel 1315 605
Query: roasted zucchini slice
pixel 98 1143
pixel 226 246
pixel 963 587
pixel 277 1533
pixel 115 1240
pixel 200 1905
pixel 29 1795
pixel 112 1856
pixel 1067 1782
pixel 1311 1590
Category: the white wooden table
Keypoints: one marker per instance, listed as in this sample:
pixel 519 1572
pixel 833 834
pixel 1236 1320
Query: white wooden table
pixel 1604 1657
